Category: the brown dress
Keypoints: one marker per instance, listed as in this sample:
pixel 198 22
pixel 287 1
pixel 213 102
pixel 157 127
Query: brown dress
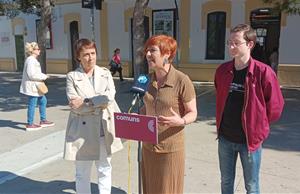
pixel 163 163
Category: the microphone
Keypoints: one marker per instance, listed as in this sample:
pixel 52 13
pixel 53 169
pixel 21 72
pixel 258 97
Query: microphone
pixel 140 87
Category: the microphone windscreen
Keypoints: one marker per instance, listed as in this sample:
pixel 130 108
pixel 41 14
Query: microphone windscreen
pixel 141 85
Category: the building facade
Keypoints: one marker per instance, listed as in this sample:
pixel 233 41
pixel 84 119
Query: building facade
pixel 201 29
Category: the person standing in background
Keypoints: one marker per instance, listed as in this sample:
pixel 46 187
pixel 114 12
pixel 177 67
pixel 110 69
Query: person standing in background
pixel 90 135
pixel 32 75
pixel 115 64
pixel 274 59
pixel 248 99
pixel 171 97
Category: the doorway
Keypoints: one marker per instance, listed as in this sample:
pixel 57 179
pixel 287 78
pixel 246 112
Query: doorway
pixel 266 22
pixel 74 36
pixel 20 54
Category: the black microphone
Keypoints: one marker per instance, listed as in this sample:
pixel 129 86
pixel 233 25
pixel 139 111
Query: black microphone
pixel 140 87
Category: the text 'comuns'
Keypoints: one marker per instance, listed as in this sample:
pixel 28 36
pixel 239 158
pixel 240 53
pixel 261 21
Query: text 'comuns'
pixel 128 118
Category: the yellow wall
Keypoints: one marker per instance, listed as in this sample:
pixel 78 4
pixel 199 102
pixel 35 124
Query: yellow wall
pixel 288 74
pixel 60 66
pixel 104 35
pixel 184 30
pixel 199 72
pixel 7 64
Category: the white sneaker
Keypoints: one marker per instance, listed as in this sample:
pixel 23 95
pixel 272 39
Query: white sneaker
pixel 46 123
pixel 33 127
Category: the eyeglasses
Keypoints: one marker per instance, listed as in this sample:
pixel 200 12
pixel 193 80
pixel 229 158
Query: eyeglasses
pixel 151 50
pixel 234 44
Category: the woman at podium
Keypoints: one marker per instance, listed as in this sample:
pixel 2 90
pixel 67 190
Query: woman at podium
pixel 171 97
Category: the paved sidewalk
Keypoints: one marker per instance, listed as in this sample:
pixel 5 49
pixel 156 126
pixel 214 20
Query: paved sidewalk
pixel 30 162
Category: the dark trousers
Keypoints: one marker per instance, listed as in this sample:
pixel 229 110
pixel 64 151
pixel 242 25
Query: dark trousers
pixel 117 69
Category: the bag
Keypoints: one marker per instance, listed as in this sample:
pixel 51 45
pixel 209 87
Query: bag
pixel 42 88
pixel 113 64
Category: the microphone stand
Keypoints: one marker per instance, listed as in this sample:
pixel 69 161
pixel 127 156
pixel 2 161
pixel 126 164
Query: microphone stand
pixel 137 99
pixel 139 151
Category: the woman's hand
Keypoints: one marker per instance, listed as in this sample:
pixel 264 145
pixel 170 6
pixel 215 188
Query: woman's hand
pixel 75 102
pixel 171 121
pixel 190 115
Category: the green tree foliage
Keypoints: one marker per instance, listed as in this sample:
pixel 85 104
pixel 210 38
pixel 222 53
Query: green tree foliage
pixel 9 8
pixel 1 9
pixel 287 6
pixel 25 6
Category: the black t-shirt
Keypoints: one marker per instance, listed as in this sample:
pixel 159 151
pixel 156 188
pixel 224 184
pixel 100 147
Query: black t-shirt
pixel 231 126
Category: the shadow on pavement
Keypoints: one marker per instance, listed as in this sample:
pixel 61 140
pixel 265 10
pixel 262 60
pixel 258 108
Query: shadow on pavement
pixel 25 185
pixel 11 99
pixel 12 124
pixel 206 101
pixel 285 134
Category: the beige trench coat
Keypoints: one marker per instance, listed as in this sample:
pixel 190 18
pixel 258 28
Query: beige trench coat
pixel 83 129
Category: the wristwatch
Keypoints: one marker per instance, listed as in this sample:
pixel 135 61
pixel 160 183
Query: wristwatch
pixel 87 101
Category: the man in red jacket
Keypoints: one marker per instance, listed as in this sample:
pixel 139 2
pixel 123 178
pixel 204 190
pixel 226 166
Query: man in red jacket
pixel 248 100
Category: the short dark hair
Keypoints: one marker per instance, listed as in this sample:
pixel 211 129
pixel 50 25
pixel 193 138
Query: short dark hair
pixel 116 50
pixel 249 33
pixel 81 44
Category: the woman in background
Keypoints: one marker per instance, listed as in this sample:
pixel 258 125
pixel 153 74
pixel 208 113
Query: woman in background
pixel 32 75
pixel 274 59
pixel 115 64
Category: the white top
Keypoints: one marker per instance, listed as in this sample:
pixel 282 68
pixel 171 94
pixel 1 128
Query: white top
pixel 32 74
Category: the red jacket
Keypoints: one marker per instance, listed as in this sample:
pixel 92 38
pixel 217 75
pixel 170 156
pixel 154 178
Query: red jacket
pixel 263 102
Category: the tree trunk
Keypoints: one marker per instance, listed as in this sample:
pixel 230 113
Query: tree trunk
pixel 42 31
pixel 139 37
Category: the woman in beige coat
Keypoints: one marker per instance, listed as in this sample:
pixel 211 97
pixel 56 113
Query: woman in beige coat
pixel 90 133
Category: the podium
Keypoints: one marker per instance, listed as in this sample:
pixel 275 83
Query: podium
pixel 141 128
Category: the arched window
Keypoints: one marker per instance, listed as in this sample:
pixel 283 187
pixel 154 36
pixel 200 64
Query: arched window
pixel 215 42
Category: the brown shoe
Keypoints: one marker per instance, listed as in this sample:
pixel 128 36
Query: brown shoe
pixel 46 123
pixel 33 127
